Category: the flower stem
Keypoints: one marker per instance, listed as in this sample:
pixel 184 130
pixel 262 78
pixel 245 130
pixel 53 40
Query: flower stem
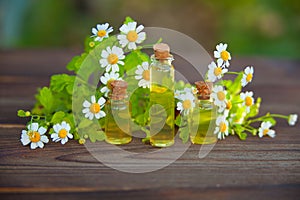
pixel 236 73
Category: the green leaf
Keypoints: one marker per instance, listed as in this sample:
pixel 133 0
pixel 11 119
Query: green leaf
pixel 236 86
pixel 239 130
pixel 96 136
pixel 46 99
pixel 128 19
pixel 62 81
pixel 184 134
pixel 178 120
pixel 85 123
pixel 21 113
pixel 58 117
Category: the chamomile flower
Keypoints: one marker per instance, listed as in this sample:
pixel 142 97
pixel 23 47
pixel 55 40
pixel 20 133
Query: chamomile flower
pixel 222 127
pixel 131 35
pixel 248 100
pixel 62 132
pixel 106 79
pixel 247 76
pixel 222 54
pixel 292 119
pixel 219 97
pixel 216 71
pixel 265 129
pixel 101 31
pixel 34 135
pixel 186 103
pixel 93 109
pixel 112 58
pixel 143 74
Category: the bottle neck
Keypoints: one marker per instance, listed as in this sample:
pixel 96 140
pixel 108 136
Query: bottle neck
pixel 162 62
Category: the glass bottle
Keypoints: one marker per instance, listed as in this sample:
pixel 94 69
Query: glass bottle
pixel 203 118
pixel 117 120
pixel 162 97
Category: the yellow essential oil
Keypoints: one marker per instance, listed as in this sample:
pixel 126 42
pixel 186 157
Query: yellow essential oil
pixel 203 120
pixel 117 121
pixel 162 98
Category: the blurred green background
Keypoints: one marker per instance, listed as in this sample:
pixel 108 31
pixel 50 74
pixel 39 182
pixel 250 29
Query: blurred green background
pixel 251 27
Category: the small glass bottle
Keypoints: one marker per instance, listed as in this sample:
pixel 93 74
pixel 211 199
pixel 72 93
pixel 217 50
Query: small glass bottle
pixel 162 97
pixel 203 118
pixel 117 120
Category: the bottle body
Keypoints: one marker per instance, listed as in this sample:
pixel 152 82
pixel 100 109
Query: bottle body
pixel 117 122
pixel 203 122
pixel 162 102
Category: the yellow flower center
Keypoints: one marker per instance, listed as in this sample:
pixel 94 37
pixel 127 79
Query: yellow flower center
pixel 228 105
pixel 249 77
pixel 221 95
pixel 92 44
pixel 34 136
pixel 265 132
pixel 217 71
pixel 101 33
pixel 223 127
pixel 95 108
pixel 62 133
pixel 248 101
pixel 108 84
pixel 112 59
pixel 186 104
pixel 132 36
pixel 225 55
pixel 146 75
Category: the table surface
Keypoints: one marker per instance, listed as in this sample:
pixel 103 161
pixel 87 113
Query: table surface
pixel 252 169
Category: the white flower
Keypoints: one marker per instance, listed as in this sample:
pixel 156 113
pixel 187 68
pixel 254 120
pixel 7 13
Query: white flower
pixel 186 103
pixel 111 57
pixel 62 132
pixel 265 129
pixel 143 74
pixel 292 119
pixel 101 31
pixel 35 135
pixel 106 80
pixel 216 71
pixel 130 35
pixel 219 97
pixel 222 54
pixel 222 127
pixel 93 109
pixel 247 76
pixel 248 100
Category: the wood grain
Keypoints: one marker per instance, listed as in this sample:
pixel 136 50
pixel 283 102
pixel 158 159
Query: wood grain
pixel 253 169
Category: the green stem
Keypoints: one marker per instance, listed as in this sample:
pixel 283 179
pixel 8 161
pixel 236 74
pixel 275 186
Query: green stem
pixel 236 73
pixel 267 116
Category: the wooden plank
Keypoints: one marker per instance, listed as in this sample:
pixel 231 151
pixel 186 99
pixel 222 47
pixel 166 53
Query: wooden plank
pixel 253 169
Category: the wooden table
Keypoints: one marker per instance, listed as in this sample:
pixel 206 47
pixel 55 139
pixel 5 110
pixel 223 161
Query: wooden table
pixel 252 169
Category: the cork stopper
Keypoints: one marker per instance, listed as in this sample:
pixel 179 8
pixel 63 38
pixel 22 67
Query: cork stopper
pixel 204 89
pixel 119 89
pixel 161 51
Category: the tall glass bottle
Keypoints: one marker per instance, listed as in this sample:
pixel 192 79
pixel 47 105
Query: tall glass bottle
pixel 203 116
pixel 117 120
pixel 162 97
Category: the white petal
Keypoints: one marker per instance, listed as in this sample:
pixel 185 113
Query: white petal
pixel 124 29
pixel 132 45
pixel 33 126
pixel 42 130
pixel 70 135
pixel 25 140
pixel 93 99
pixel 33 145
pixel 44 139
pixel 40 144
pixel 101 101
pixel 139 28
pixel 141 37
pixel 131 26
